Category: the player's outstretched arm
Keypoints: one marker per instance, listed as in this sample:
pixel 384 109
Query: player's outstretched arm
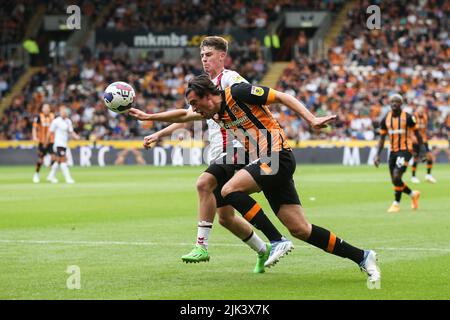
pixel 299 108
pixel 167 131
pixel 175 116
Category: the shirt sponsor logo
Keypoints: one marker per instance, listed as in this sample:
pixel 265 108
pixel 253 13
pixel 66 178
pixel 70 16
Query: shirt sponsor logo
pixel 231 124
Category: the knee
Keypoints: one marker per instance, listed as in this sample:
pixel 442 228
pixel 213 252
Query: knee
pixel 205 184
pixel 396 178
pixel 301 231
pixel 226 190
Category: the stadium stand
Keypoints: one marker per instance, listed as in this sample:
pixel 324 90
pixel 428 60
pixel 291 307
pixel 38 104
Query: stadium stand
pixel 361 68
pixel 408 55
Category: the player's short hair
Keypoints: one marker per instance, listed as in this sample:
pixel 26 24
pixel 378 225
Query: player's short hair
pixel 202 86
pixel 395 96
pixel 216 42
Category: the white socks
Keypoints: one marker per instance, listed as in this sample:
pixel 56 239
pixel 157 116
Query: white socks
pixel 53 171
pixel 256 243
pixel 204 228
pixel 65 171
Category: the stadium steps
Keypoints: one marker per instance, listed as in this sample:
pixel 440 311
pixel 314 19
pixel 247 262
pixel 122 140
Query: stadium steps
pixel 99 21
pixel 274 73
pixel 18 87
pixel 338 24
pixel 35 21
pixel 30 31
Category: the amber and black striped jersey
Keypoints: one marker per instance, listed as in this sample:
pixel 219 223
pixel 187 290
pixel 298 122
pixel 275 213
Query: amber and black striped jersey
pixel 399 129
pixel 244 111
pixel 42 125
pixel 422 124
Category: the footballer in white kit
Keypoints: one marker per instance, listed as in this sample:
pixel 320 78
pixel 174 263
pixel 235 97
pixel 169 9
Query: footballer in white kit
pixel 62 129
pixel 218 137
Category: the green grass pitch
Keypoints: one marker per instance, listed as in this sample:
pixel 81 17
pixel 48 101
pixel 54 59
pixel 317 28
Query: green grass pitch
pixel 127 227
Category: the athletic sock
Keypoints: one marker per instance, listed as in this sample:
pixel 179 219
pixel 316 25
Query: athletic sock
pixel 414 168
pixel 429 166
pixel 53 171
pixel 407 190
pixel 328 242
pixel 65 171
pixel 399 188
pixel 253 213
pixel 255 242
pixel 38 166
pixel 203 230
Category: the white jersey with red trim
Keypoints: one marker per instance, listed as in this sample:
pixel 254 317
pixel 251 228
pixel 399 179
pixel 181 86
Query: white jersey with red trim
pixel 219 140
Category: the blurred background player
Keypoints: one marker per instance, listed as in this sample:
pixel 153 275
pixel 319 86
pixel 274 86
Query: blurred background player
pixel 422 124
pixel 41 126
pixel 62 128
pixel 397 124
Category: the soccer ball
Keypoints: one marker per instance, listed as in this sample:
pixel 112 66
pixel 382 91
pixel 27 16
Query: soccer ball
pixel 119 96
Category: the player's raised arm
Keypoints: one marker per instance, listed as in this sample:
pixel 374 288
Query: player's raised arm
pixel 264 95
pixel 175 116
pixel 299 108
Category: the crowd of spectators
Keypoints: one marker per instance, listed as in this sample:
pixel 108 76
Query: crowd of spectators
pixel 9 73
pixel 204 15
pixel 13 17
pixel 88 8
pixel 409 54
pixel 79 83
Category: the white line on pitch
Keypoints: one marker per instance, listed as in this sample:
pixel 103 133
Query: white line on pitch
pixel 142 243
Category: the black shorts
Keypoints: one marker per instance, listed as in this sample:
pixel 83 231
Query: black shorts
pixel 399 160
pixel 42 150
pixel 223 173
pixel 276 181
pixel 61 151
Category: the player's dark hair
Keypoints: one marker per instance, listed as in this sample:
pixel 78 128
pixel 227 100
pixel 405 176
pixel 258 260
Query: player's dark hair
pixel 216 42
pixel 202 86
